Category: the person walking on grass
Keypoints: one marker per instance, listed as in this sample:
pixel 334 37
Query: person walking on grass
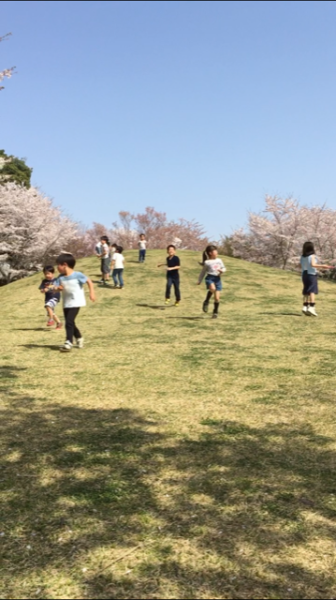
pixel 142 243
pixel 173 265
pixel 213 267
pixel 309 266
pixel 71 284
pixel 105 259
pixel 117 265
pixel 52 297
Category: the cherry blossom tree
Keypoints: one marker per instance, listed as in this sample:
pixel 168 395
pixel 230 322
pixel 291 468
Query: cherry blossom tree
pixel 32 231
pixel 5 72
pixel 158 230
pixel 275 236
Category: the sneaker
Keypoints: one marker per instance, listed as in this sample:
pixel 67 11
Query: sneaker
pixel 305 310
pixel 311 311
pixel 215 316
pixel 205 307
pixel 80 342
pixel 167 301
pixel 50 323
pixel 59 326
pixel 67 347
pixel 177 303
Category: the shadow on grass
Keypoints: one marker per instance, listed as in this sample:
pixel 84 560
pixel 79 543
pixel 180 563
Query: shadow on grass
pixel 281 314
pixel 153 306
pixel 32 329
pixel 34 346
pixel 78 481
pixel 188 318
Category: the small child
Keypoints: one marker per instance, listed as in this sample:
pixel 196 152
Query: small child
pixel 142 243
pixel 309 268
pixel 173 277
pixel 52 297
pixel 213 267
pixel 117 265
pixel 70 283
pixel 105 259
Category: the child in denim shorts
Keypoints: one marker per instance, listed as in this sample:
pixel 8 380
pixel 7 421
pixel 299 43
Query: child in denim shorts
pixel 213 267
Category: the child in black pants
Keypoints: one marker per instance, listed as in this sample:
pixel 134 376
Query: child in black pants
pixel 173 277
pixel 71 283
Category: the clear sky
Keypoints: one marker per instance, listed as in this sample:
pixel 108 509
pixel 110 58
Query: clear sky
pixel 196 108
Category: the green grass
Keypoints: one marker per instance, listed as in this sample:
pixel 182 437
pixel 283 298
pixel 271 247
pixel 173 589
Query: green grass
pixel 174 456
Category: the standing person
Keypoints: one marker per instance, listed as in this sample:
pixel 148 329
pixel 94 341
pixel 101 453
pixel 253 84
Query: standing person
pixel 213 267
pixel 52 297
pixel 142 243
pixel 98 254
pixel 71 284
pixel 117 265
pixel 105 259
pixel 173 265
pixel 309 266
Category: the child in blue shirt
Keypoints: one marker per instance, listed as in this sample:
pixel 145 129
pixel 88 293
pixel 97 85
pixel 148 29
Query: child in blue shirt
pixel 52 297
pixel 309 266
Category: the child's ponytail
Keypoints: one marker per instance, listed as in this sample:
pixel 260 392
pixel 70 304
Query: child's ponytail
pixel 207 252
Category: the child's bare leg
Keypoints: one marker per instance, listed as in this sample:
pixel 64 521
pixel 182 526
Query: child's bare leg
pixel 312 298
pixel 50 313
pixel 56 319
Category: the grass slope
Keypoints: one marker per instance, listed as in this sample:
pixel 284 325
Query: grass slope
pixel 175 456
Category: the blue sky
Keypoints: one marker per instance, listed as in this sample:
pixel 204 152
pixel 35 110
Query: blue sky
pixel 196 108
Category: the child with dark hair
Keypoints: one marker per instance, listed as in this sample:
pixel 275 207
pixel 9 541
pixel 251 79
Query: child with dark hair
pixel 309 266
pixel 213 267
pixel 71 284
pixel 173 265
pixel 117 266
pixel 142 243
pixel 105 259
pixel 52 297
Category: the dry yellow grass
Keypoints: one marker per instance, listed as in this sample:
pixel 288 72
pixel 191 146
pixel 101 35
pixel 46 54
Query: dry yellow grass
pixel 175 456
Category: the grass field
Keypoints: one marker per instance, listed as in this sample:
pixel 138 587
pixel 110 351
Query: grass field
pixel 174 456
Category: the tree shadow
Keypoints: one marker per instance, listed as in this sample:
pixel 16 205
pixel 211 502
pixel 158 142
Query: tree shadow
pixel 221 515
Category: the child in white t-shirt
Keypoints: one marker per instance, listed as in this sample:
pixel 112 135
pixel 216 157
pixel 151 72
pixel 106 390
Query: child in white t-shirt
pixel 142 243
pixel 213 267
pixel 71 284
pixel 117 265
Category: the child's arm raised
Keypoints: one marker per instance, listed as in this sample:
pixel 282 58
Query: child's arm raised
pixel 316 266
pixel 91 289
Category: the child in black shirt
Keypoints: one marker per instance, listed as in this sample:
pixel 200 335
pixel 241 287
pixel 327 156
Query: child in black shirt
pixel 173 277
pixel 52 297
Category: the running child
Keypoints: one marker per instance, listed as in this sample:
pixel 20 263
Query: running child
pixel 309 266
pixel 71 284
pixel 173 265
pixel 117 265
pixel 52 297
pixel 213 267
pixel 142 243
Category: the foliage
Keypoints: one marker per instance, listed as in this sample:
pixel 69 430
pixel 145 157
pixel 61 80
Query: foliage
pixel 275 236
pixel 6 72
pixel 32 231
pixel 14 170
pixel 225 245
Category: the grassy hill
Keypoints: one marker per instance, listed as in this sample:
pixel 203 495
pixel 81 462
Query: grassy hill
pixel 174 456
